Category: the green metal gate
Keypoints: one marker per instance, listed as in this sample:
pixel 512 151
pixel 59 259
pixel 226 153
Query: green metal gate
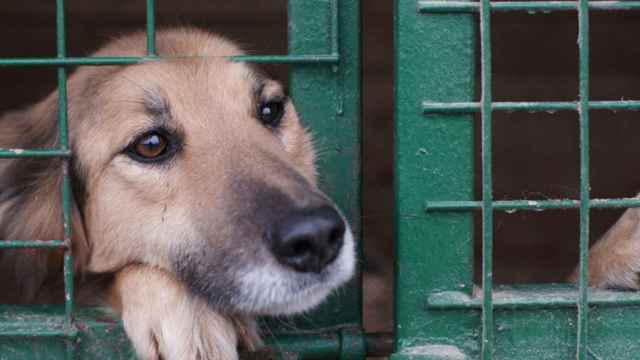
pixel 438 316
pixel 324 61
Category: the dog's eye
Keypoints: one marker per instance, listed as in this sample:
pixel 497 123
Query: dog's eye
pixel 150 147
pixel 270 113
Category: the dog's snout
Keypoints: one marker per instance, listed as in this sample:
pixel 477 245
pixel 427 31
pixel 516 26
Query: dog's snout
pixel 308 239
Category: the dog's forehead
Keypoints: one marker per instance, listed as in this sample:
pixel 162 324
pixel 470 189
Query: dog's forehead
pixel 194 68
pixel 197 75
pixel 185 90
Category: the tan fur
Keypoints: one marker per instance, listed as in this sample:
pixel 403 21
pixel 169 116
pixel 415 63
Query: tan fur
pixel 614 261
pixel 136 220
pixel 174 325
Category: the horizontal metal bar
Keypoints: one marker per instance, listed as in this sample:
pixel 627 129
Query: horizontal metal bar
pixel 535 205
pixel 111 61
pixel 614 203
pixel 529 6
pixel 33 244
pixel 538 297
pixel 34 321
pixel 547 106
pixel 288 59
pixel 73 61
pixel 510 205
pixel 33 333
pixel 326 345
pixel 24 153
pixel 471 107
pixel 615 105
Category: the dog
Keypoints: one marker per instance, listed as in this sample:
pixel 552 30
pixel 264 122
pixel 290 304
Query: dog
pixel 195 199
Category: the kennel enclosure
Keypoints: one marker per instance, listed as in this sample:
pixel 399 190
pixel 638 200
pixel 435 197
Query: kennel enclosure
pixel 439 315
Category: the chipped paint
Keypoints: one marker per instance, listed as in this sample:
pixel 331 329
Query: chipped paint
pixel 436 351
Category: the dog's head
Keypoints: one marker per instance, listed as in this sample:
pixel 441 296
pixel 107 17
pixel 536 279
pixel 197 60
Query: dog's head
pixel 200 166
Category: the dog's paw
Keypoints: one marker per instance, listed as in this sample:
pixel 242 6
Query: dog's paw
pixel 614 261
pixel 164 321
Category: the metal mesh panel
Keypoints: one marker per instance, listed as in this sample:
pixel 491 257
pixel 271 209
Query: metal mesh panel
pixel 456 321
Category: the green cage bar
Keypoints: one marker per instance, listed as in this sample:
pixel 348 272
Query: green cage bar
pixel 583 112
pixel 33 244
pixel 542 6
pixel 66 185
pixel 534 205
pixel 486 109
pixel 110 61
pixel 472 107
pixel 151 28
pixel 527 297
pixel 437 314
pixel 22 153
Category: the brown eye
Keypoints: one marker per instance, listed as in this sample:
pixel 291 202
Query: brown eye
pixel 153 146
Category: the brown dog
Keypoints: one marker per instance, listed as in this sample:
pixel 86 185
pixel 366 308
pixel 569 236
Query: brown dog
pixel 194 183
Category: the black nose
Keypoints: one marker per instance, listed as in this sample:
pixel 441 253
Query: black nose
pixel 308 239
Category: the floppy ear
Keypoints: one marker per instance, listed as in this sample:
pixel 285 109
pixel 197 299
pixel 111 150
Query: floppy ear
pixel 31 199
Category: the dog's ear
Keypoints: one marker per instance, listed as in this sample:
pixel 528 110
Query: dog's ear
pixel 31 195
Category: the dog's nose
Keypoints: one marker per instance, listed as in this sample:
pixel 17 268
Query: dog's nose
pixel 309 239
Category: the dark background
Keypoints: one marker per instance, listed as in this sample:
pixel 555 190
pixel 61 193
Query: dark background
pixel 536 156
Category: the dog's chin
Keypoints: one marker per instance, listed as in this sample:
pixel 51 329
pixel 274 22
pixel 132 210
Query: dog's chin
pixel 276 290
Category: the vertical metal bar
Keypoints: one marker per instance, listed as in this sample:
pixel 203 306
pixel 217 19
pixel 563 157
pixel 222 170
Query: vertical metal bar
pixel 68 256
pixel 66 187
pixel 151 27
pixel 335 11
pixel 434 61
pixel 487 182
pixel 583 110
pixel 60 30
pixel 337 126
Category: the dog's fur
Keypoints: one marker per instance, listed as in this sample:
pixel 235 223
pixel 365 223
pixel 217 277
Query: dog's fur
pixel 614 261
pixel 182 240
